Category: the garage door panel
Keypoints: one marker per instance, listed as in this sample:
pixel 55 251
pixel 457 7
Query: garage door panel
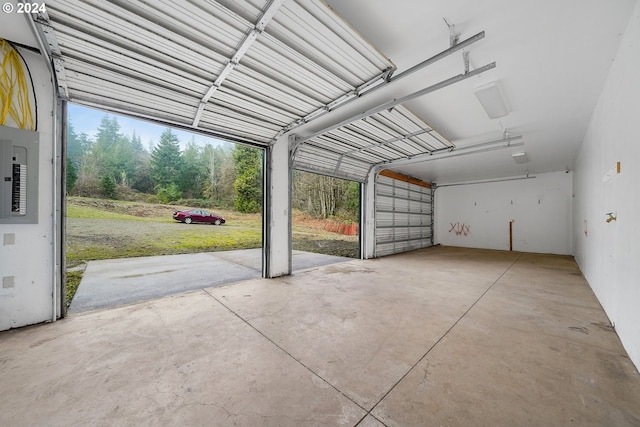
pixel 403 216
pixel 274 65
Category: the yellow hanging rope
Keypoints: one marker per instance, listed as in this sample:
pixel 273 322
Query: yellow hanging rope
pixel 14 89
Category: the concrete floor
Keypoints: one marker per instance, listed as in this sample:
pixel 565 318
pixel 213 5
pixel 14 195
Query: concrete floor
pixel 436 337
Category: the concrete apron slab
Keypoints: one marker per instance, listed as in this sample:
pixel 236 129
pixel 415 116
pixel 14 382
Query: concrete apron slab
pixel 109 283
pixel 442 336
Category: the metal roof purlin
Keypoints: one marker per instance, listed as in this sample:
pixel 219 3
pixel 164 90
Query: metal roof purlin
pixel 265 18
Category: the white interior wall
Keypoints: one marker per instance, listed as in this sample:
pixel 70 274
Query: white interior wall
pixel 30 259
pixel 609 253
pixel 478 215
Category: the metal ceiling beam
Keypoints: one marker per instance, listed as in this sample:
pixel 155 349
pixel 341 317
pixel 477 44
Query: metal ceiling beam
pixel 398 101
pixel 439 56
pixel 333 105
pixel 249 39
pixel 382 80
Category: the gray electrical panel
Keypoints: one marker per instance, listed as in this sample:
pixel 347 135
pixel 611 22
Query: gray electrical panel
pixel 18 176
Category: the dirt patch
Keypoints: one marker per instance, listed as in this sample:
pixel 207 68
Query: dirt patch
pixel 338 247
pixel 137 209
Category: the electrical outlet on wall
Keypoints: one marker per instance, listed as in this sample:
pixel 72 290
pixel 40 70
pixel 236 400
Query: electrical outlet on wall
pixel 9 239
pixel 8 282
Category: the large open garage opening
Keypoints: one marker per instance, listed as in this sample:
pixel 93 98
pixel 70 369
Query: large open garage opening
pixel 153 210
pixel 326 215
pixel 249 76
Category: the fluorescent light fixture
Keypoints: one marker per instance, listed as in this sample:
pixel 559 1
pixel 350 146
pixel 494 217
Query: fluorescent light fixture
pixel 520 158
pixel 492 99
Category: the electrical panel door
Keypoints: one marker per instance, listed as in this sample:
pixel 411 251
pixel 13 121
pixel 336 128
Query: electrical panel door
pixel 18 176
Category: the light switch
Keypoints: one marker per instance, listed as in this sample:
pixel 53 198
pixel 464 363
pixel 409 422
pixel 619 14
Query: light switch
pixel 9 239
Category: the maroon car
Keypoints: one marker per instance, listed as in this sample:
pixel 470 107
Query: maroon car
pixel 197 215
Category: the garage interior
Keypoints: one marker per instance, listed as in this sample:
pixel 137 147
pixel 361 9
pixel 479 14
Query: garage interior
pixel 494 145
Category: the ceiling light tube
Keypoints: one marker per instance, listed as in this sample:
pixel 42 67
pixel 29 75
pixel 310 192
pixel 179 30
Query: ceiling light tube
pixel 492 100
pixel 520 158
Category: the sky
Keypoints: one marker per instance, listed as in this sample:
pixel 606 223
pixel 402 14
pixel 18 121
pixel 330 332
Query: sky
pixel 87 120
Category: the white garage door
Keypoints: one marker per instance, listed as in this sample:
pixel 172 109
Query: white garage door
pixel 403 216
pixel 241 70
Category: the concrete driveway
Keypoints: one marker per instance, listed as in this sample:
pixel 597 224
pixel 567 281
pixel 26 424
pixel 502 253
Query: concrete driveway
pixel 113 282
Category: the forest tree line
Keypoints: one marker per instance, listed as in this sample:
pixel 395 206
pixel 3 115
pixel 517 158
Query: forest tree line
pixel 117 166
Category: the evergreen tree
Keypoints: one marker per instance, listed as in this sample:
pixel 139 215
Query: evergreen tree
pixel 113 154
pixel 77 145
pixel 140 179
pixel 193 174
pixel 108 187
pixel 72 175
pixel 166 160
pixel 78 170
pixel 248 183
pixel 74 151
pixel 136 143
